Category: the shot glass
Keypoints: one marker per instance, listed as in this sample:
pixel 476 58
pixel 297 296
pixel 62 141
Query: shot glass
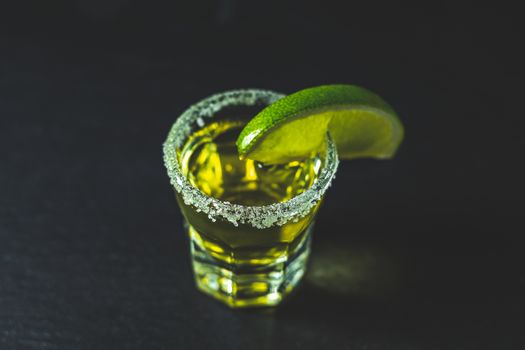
pixel 244 253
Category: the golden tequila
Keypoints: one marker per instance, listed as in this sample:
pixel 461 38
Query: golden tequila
pixel 211 163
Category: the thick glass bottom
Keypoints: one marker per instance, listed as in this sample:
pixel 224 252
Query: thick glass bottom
pixel 246 283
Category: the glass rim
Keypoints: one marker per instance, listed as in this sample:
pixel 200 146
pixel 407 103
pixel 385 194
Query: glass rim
pixel 264 216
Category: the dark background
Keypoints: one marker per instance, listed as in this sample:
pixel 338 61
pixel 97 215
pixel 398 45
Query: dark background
pixel 421 252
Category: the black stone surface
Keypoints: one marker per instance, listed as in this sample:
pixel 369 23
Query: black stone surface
pixel 422 252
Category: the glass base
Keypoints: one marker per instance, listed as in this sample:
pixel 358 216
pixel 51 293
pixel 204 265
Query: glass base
pixel 248 285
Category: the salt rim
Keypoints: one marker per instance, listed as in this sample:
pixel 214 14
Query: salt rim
pixel 257 216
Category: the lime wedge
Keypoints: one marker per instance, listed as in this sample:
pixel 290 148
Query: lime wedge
pixel 361 123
